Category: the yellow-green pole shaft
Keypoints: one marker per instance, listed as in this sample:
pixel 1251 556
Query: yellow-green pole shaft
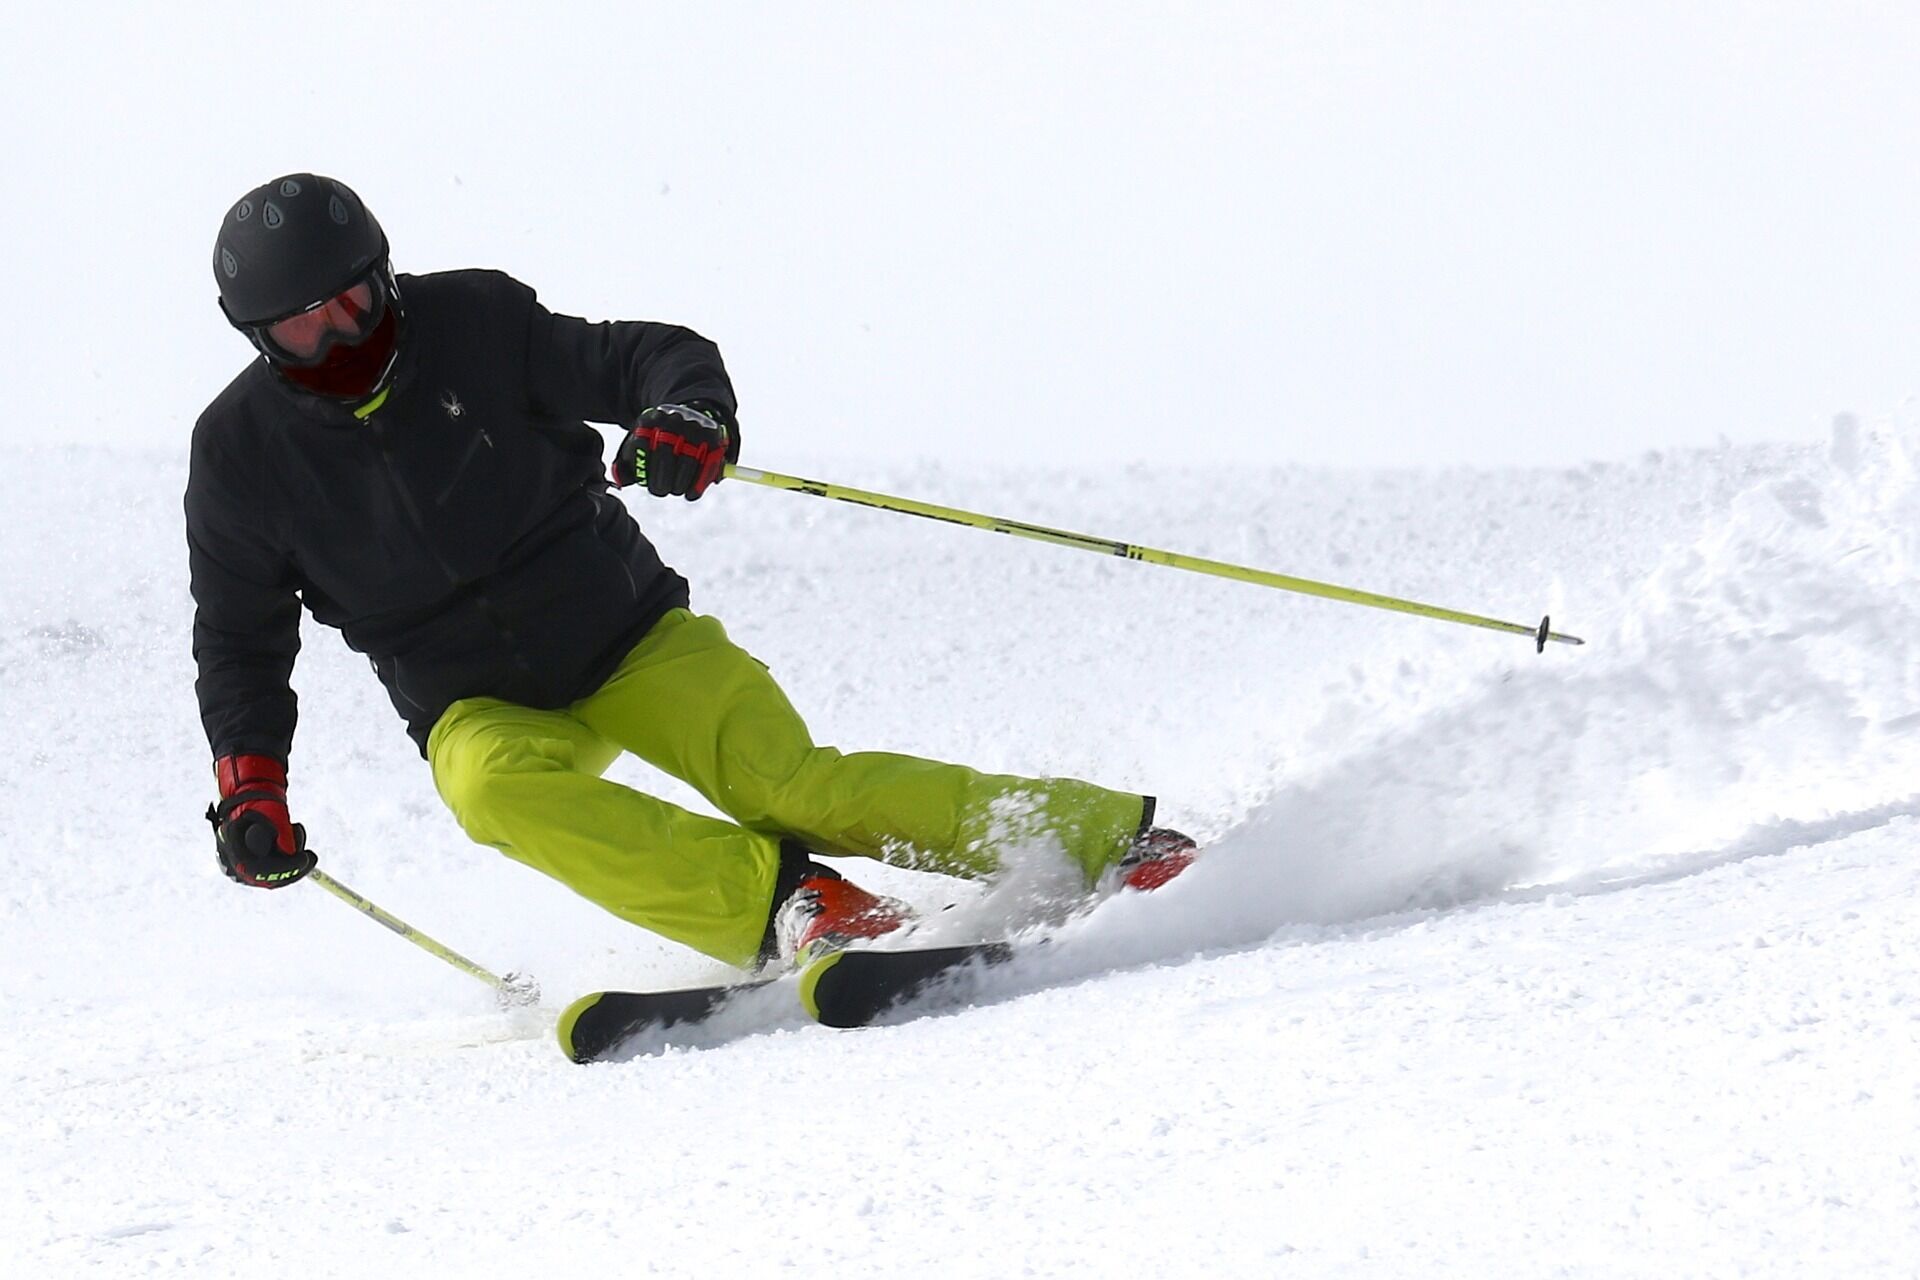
pixel 408 932
pixel 1112 547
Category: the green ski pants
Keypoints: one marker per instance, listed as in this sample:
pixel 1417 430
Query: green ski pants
pixel 690 703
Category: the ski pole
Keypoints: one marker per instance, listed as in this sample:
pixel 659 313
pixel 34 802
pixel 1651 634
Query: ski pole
pixel 515 988
pixel 1172 559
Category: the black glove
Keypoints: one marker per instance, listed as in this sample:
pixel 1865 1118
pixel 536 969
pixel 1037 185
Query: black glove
pixel 252 837
pixel 675 448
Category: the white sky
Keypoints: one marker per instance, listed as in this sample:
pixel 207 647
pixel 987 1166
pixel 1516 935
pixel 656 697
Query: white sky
pixel 1091 233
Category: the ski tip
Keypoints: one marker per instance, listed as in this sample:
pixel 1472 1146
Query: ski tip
pixel 810 982
pixel 853 988
pixel 569 1021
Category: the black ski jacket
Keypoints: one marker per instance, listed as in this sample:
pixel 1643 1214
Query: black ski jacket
pixel 460 535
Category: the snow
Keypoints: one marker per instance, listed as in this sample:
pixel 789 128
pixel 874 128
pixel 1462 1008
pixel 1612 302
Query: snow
pixel 1593 963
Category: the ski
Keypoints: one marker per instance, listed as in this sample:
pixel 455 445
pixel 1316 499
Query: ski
pixel 841 989
pixel 598 1023
pixel 852 988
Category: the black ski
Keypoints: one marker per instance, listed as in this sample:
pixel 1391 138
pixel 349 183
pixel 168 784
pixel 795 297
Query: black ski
pixel 595 1025
pixel 852 988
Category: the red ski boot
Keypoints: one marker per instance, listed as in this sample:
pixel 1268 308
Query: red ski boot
pixel 826 912
pixel 1157 855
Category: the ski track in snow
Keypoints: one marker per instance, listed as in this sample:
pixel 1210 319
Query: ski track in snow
pixel 1598 962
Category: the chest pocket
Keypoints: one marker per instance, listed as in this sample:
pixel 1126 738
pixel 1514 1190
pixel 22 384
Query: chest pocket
pixel 479 437
pixel 484 479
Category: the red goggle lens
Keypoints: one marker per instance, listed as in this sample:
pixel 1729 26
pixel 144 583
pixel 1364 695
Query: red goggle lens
pixel 348 316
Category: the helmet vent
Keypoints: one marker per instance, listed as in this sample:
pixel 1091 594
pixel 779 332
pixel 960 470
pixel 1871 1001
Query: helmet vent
pixel 229 263
pixel 270 215
pixel 289 188
pixel 243 211
pixel 337 209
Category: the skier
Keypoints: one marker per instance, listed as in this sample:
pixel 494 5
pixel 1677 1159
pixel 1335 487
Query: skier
pixel 409 459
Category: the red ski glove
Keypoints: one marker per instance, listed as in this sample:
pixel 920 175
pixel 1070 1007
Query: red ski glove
pixel 252 837
pixel 675 449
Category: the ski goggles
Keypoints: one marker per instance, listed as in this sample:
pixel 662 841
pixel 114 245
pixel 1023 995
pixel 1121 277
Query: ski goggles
pixel 349 316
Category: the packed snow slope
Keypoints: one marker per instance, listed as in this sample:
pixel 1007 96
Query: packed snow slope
pixel 1600 962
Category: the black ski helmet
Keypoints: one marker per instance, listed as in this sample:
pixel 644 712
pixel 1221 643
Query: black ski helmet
pixel 291 242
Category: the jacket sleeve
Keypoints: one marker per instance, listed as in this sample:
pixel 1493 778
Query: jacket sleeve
pixel 246 622
pixel 612 371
